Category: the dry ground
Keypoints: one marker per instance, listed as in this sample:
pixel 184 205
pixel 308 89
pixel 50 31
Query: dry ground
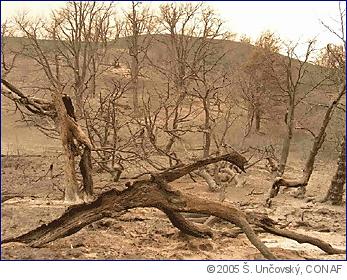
pixel 147 233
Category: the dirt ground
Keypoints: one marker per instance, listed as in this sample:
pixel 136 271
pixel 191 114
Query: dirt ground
pixel 147 233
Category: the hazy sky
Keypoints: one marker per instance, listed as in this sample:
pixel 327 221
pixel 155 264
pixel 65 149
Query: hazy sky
pixel 291 20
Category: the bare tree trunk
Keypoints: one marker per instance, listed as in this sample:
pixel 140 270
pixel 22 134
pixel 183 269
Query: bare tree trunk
pixel 335 192
pixel 309 166
pixel 319 140
pixel 134 83
pixel 77 85
pixel 71 184
pixel 250 117
pixel 207 129
pixel 207 142
pixel 172 139
pixel 257 119
pixel 69 130
pixel 85 165
pixel 79 100
pixel 135 22
pixel 93 78
pixel 287 140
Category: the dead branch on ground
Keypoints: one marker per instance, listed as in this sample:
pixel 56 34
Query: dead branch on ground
pixel 155 191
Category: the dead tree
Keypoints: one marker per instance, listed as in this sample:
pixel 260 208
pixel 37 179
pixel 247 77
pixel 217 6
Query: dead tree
pixel 188 37
pixel 69 106
pixel 309 165
pixel 209 79
pixel 156 192
pixel 72 137
pixel 77 35
pixel 139 24
pixel 335 191
pixel 80 32
pixel 8 55
pixel 194 75
pixel 291 82
pixel 256 82
pixel 334 65
pixel 174 20
pixel 107 126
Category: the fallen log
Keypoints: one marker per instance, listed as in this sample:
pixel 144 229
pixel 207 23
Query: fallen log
pixel 157 193
pixel 141 194
pixel 152 192
pixel 302 238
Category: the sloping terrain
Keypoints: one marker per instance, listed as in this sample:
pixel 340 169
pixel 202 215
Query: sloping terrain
pixel 33 195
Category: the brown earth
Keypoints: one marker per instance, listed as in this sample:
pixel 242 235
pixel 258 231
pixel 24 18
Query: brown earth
pixel 147 233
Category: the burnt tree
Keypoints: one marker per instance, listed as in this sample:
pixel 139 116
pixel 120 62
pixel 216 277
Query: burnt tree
pixel 309 165
pixel 71 134
pixel 69 106
pixel 335 191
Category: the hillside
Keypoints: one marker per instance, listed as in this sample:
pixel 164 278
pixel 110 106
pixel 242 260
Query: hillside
pixel 18 137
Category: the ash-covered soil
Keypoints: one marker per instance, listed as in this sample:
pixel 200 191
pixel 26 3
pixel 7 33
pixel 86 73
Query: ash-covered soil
pixel 31 196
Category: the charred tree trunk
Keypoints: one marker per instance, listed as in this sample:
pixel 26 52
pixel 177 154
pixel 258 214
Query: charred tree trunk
pixel 309 165
pixel 133 47
pixel 134 84
pixel 61 111
pixel 71 193
pixel 93 78
pixel 152 192
pixel 207 129
pixel 257 119
pixel 335 191
pixel 70 131
pixel 64 108
pixel 287 139
pixel 69 106
pixel 86 171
